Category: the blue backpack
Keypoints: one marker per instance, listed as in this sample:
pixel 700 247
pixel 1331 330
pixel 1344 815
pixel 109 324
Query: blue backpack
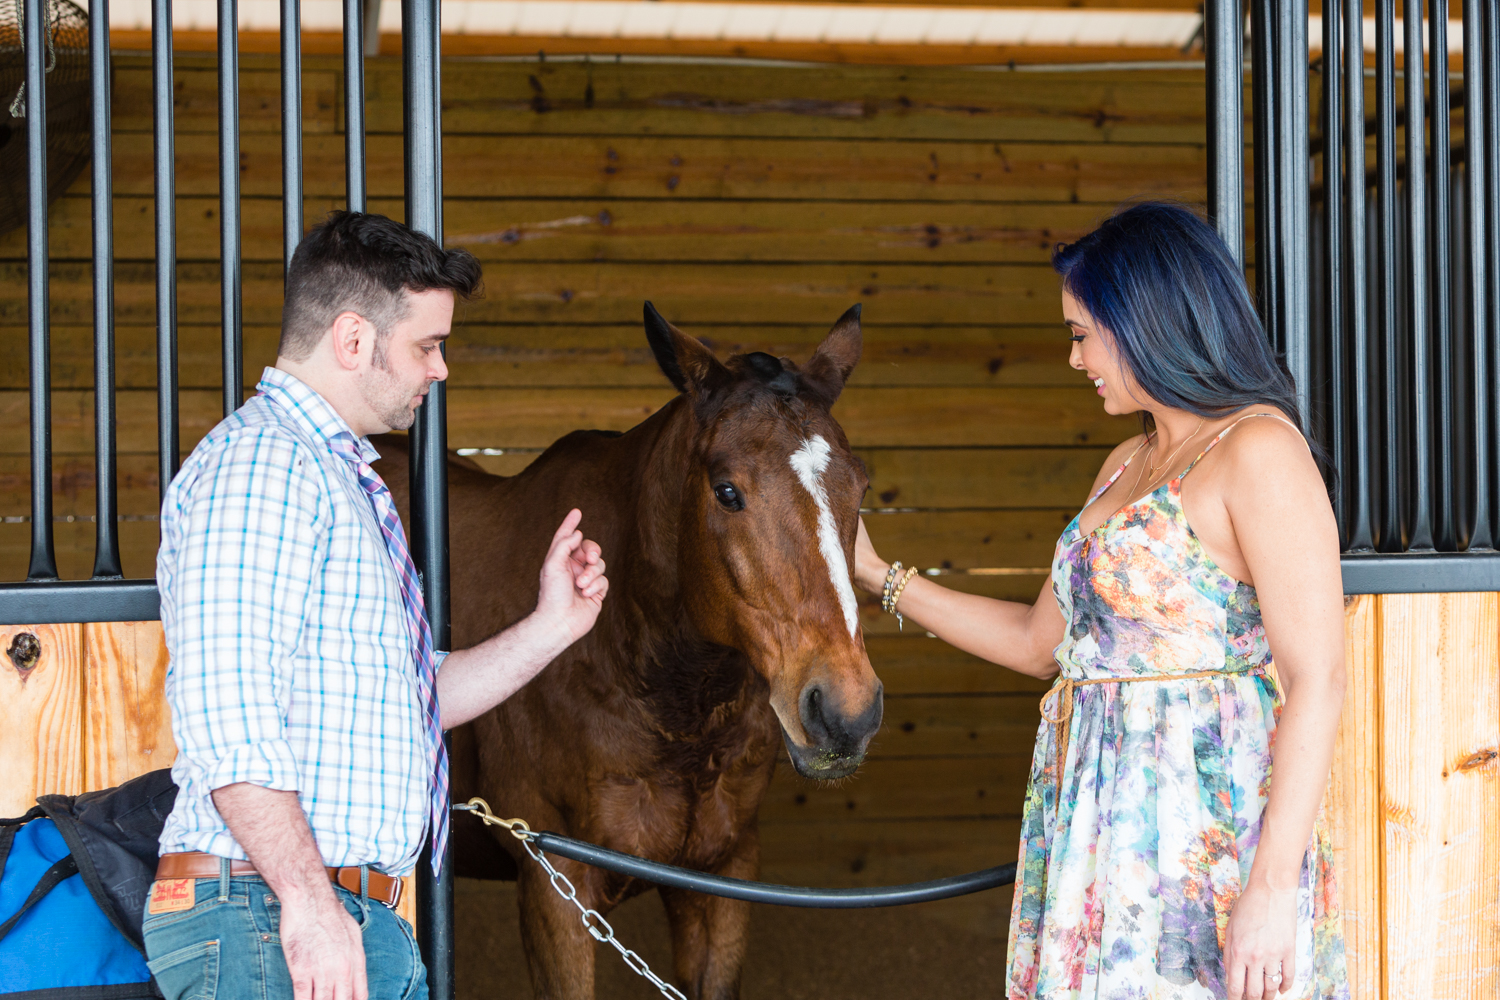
pixel 74 874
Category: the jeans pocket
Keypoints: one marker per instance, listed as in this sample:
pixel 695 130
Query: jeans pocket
pixel 190 973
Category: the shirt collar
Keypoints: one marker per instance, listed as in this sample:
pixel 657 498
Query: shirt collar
pixel 310 410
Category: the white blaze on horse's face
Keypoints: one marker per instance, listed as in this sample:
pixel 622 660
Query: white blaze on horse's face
pixel 808 462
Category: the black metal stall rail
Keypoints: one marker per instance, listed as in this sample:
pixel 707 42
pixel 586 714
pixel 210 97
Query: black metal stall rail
pixel 1382 289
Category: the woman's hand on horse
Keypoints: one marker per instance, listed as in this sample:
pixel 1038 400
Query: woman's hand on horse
pixel 869 569
pixel 573 584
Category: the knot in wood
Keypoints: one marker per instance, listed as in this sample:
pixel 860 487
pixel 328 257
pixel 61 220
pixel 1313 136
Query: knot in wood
pixel 24 652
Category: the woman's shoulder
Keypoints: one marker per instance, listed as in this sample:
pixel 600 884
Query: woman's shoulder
pixel 1262 445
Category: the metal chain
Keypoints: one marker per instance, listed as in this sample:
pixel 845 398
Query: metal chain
pixel 593 921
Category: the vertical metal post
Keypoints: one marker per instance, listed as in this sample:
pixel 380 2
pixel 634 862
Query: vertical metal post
pixel 231 278
pixel 1418 316
pixel 1478 140
pixel 291 127
pixel 1389 520
pixel 106 507
pixel 34 41
pixel 1443 345
pixel 1292 178
pixel 1334 330
pixel 166 241
pixel 1359 470
pixel 1489 326
pixel 354 104
pixel 1224 37
pixel 420 56
pixel 1268 213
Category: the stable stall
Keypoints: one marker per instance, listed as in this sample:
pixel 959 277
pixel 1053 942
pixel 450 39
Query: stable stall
pixel 753 200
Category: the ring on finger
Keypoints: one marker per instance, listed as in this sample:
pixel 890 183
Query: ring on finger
pixel 1273 977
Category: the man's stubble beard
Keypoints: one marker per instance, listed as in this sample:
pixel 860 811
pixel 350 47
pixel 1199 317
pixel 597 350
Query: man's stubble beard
pixel 389 400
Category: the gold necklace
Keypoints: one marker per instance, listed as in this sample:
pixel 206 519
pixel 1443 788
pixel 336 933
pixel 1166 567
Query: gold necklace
pixel 1158 470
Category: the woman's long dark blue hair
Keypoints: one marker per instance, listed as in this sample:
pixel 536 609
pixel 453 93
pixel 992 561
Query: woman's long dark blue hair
pixel 1162 282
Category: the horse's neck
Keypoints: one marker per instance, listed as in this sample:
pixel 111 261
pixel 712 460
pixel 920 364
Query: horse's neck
pixel 661 461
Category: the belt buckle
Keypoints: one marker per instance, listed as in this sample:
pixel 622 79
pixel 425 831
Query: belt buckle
pixel 395 896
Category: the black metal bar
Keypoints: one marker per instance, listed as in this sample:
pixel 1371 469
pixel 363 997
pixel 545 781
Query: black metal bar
pixel 354 104
pixel 1333 268
pixel 1476 167
pixel 1422 573
pixel 58 601
pixel 291 127
pixel 420 56
pixel 1389 533
pixel 1268 213
pixel 766 892
pixel 1358 470
pixel 166 242
pixel 1224 38
pixel 1443 344
pixel 1292 178
pixel 231 294
pixel 34 41
pixel 106 505
pixel 1489 324
pixel 1419 318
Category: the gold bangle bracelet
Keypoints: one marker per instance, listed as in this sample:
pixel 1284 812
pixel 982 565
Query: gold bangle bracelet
pixel 896 597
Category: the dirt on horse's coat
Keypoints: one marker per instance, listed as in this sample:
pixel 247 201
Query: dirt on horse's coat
pixel 727 521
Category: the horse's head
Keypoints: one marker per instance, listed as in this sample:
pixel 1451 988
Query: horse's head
pixel 766 533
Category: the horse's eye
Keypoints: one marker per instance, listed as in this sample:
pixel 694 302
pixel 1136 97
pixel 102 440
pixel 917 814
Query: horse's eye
pixel 728 496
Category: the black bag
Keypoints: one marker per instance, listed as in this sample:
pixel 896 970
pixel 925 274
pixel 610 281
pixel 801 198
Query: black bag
pixel 110 838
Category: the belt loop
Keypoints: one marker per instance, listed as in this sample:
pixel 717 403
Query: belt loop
pixel 364 883
pixel 223 880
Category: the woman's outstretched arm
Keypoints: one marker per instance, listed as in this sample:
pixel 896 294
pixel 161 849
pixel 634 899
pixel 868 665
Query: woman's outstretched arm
pixel 1015 635
pixel 1012 634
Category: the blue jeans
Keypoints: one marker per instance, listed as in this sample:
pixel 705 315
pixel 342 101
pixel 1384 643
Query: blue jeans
pixel 228 947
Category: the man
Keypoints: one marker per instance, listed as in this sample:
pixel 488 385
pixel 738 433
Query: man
pixel 307 701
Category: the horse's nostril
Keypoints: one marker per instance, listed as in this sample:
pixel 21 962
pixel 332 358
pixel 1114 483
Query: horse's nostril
pixel 813 720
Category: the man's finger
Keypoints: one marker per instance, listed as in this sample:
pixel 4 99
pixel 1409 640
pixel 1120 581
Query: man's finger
pixel 568 526
pixel 361 982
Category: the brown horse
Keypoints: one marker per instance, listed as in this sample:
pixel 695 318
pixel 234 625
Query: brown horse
pixel 727 520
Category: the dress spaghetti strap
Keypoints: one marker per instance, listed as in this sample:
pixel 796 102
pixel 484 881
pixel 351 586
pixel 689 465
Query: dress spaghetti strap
pixel 1225 433
pixel 1111 480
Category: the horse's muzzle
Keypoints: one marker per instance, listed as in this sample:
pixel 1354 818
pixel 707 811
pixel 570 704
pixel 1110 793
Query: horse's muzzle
pixel 836 738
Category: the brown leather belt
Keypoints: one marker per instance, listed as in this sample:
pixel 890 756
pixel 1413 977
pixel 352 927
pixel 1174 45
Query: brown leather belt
pixel 195 864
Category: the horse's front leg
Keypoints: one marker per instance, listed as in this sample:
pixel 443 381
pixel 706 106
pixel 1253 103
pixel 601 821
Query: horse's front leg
pixel 709 933
pixel 559 952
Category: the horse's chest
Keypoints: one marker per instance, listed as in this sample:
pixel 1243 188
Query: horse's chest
pixel 688 812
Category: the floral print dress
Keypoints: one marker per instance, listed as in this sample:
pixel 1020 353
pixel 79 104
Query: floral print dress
pixel 1128 875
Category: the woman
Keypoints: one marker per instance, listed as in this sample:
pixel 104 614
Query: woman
pixel 1162 856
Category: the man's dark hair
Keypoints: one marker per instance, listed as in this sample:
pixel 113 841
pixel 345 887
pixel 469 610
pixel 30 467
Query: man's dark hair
pixel 363 263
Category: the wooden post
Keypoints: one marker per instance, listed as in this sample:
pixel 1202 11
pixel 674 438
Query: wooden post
pixel 1440 794
pixel 129 727
pixel 41 709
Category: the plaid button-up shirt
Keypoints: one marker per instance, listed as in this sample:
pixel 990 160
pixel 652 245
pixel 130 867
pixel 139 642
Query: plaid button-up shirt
pixel 291 663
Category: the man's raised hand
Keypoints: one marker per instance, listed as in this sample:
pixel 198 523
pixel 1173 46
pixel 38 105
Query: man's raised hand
pixel 573 584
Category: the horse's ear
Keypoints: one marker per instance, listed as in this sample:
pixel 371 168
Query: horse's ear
pixel 836 356
pixel 691 366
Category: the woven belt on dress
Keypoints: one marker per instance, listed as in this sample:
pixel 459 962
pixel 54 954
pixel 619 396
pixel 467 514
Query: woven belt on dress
pixel 1063 688
pixel 195 864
